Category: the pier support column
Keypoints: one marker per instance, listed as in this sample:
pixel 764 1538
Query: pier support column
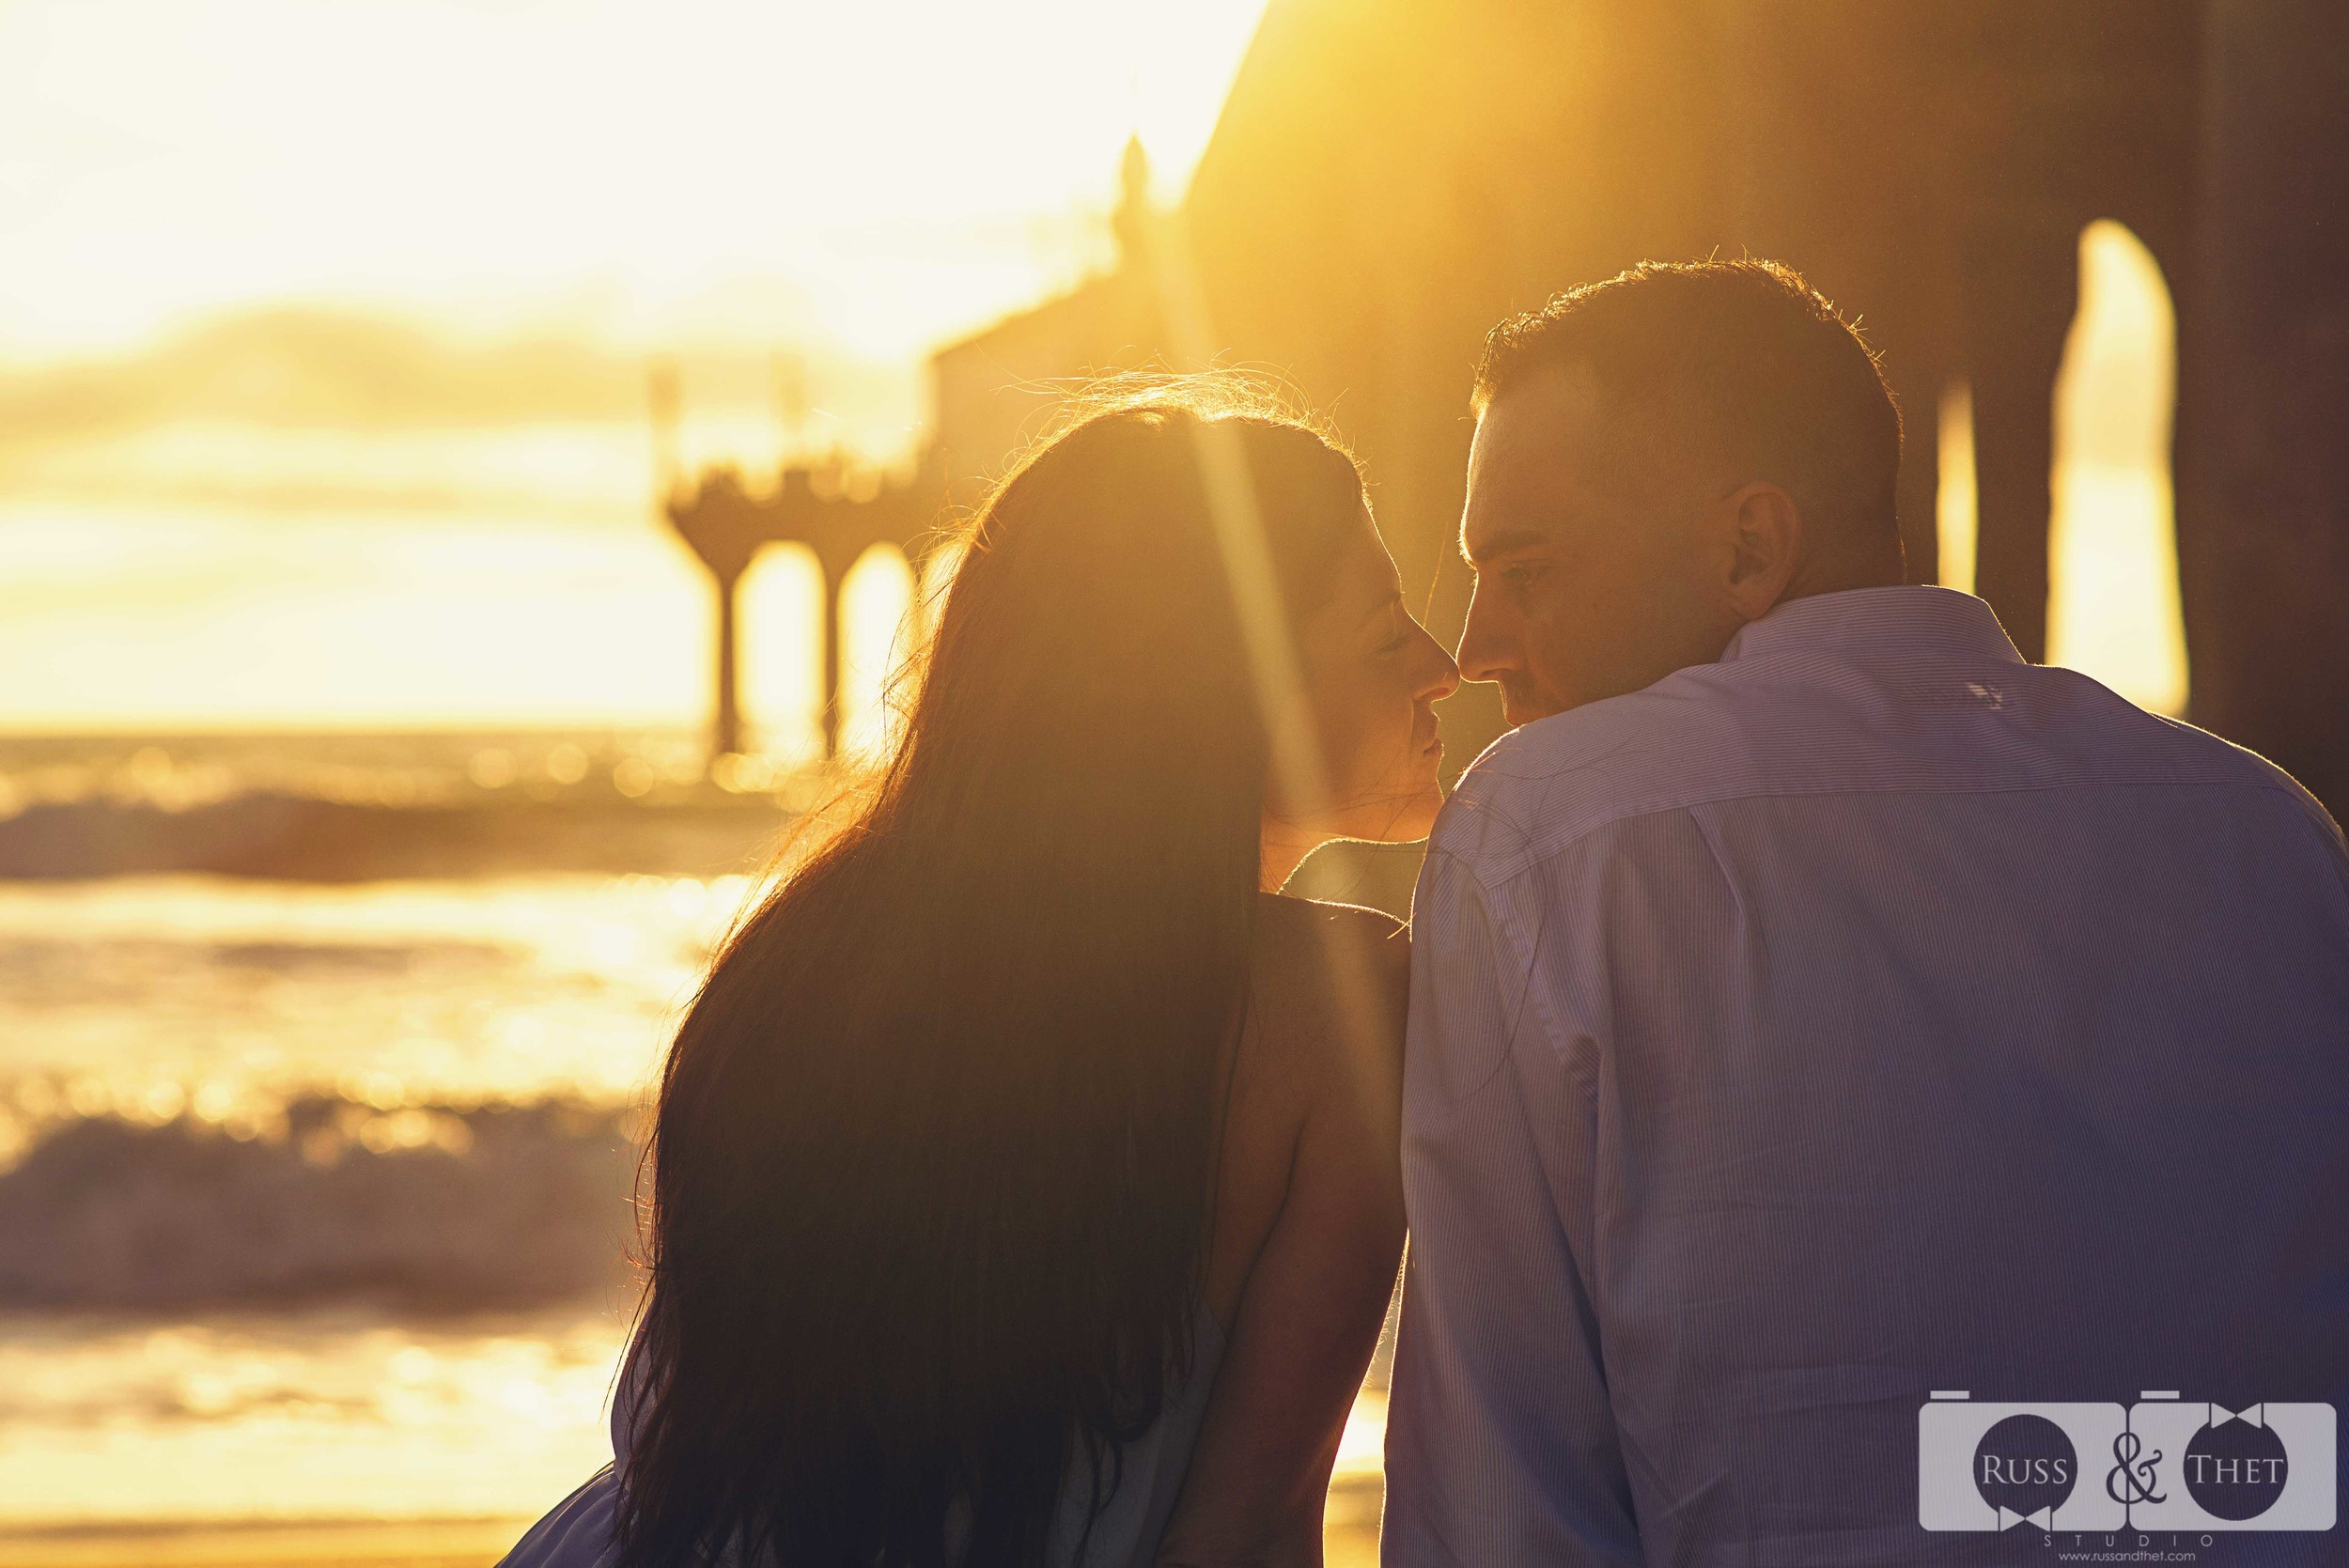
pixel 726 726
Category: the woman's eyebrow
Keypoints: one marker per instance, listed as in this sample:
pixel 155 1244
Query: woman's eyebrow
pixel 1394 597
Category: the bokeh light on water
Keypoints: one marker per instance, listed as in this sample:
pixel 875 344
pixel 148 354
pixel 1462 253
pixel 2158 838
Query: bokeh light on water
pixel 151 998
pixel 334 1058
pixel 333 1415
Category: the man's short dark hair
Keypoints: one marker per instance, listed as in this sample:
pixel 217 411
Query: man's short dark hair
pixel 1743 356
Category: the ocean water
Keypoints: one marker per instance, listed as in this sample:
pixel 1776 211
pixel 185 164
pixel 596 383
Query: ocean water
pixel 317 1200
pixel 316 1195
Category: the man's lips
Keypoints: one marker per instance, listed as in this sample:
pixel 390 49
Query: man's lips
pixel 1517 706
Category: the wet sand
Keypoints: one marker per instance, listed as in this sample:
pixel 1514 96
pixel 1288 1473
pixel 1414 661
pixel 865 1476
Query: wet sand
pixel 1351 1536
pixel 267 1544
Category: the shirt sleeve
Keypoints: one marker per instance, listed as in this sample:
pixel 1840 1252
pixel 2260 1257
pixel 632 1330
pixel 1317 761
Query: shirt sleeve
pixel 1501 1445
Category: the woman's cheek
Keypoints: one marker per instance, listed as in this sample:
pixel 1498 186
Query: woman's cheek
pixel 1353 749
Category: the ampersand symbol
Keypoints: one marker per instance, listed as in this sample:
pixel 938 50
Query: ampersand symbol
pixel 2130 1481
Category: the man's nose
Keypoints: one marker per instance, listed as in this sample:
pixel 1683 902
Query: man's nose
pixel 1488 647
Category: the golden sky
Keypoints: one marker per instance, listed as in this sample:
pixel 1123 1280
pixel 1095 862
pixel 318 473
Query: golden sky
pixel 324 326
pixel 885 171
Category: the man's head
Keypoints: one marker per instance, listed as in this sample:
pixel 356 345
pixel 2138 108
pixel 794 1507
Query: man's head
pixel 1660 458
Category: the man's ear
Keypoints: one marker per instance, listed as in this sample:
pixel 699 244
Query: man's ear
pixel 1766 547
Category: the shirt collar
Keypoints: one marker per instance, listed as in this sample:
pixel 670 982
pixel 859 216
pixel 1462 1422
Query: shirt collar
pixel 1915 619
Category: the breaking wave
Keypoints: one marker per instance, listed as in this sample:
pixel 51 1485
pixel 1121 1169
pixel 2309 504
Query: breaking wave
pixel 301 838
pixel 421 1208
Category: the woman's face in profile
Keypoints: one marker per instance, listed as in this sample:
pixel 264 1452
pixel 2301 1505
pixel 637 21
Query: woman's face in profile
pixel 1373 676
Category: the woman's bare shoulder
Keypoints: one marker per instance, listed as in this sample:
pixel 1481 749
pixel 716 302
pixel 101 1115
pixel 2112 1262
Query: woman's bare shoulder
pixel 1318 1075
pixel 1303 922
pixel 1327 974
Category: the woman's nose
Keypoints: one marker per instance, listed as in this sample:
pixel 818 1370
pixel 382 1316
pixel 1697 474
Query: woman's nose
pixel 1444 674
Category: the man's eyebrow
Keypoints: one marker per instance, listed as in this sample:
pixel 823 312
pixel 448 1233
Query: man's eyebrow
pixel 1507 542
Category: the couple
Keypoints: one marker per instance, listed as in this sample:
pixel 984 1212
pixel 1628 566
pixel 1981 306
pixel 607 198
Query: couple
pixel 1810 1007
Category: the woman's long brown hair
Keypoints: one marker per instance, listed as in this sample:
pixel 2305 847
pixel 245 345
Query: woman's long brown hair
pixel 935 1153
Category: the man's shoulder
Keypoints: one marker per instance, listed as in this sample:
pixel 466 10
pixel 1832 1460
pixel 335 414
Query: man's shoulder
pixel 1540 787
pixel 2221 761
pixel 1715 733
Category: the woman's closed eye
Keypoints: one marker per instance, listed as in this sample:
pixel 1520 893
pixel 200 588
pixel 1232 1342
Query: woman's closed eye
pixel 1396 629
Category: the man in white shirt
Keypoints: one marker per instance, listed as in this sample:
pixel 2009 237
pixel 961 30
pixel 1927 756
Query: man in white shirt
pixel 1815 1007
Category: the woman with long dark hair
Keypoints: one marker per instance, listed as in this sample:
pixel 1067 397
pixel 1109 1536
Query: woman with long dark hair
pixel 1024 1184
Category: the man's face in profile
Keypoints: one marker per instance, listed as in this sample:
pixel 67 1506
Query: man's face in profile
pixel 1591 573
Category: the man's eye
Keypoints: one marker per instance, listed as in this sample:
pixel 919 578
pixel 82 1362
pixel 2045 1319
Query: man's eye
pixel 1518 576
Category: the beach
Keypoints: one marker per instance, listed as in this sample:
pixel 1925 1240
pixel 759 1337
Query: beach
pixel 316 1193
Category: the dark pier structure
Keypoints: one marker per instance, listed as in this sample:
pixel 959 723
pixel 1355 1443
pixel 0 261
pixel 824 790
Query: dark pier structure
pixel 993 392
pixel 820 506
pixel 1389 178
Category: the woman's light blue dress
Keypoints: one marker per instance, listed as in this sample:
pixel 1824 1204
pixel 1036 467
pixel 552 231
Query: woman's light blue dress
pixel 578 1534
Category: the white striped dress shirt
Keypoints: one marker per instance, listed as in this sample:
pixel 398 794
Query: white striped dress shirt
pixel 1866 1014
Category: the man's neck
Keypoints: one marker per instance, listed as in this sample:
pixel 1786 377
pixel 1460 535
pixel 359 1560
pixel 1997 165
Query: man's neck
pixel 1833 575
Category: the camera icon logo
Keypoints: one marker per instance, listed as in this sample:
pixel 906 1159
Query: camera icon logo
pixel 2270 1467
pixel 2160 1464
pixel 1990 1465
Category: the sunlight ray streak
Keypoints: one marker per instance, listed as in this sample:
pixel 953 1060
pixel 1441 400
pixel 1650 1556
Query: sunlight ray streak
pixel 1297 763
